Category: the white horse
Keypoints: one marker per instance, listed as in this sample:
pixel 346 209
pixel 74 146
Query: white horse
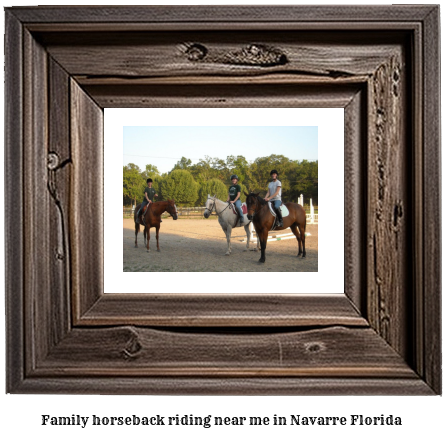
pixel 227 220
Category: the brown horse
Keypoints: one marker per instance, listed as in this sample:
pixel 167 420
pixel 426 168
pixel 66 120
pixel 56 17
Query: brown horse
pixel 262 218
pixel 150 218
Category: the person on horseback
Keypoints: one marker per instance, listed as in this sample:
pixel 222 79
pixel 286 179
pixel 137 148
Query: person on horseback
pixel 234 197
pixel 274 195
pixel 149 194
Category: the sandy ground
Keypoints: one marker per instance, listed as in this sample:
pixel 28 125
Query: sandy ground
pixel 191 245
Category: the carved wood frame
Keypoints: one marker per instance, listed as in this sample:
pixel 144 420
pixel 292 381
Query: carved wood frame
pixel 62 69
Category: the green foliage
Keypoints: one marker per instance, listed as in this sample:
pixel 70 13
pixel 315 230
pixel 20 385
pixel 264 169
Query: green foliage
pixel 133 184
pixel 303 179
pixel 212 187
pixel 190 184
pixel 183 164
pixel 151 171
pixel 243 192
pixel 180 186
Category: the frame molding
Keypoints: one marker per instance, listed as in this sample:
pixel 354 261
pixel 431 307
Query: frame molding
pixel 64 65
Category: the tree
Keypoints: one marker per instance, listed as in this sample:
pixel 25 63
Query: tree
pixel 243 192
pixel 238 165
pixel 303 179
pixel 133 184
pixel 151 171
pixel 212 187
pixel 180 186
pixel 183 164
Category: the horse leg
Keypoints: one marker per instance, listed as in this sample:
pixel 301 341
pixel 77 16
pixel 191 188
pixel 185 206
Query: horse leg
pixel 296 232
pixel 148 236
pixel 157 230
pixel 228 239
pixel 136 232
pixel 302 228
pixel 263 242
pixel 248 236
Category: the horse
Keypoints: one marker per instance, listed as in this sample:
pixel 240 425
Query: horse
pixel 227 219
pixel 263 220
pixel 151 218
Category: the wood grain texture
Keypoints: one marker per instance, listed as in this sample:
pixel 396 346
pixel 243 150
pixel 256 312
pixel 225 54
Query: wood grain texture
pixel 187 310
pixel 86 225
pixel 224 14
pixel 14 266
pixel 355 224
pixel 432 244
pixel 226 96
pixel 38 306
pixel 159 54
pixel 59 167
pixel 388 202
pixel 72 62
pixel 226 386
pixel 129 351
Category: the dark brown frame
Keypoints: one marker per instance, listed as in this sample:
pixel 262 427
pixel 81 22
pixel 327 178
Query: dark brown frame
pixel 64 65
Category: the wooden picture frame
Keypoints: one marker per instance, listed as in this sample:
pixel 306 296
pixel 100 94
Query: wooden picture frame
pixel 65 64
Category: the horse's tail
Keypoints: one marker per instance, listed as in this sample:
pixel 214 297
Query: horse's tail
pixel 137 225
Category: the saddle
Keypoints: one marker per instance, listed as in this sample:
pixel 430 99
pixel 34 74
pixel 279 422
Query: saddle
pixel 143 213
pixel 283 209
pixel 244 209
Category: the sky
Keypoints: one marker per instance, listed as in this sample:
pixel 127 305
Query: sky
pixel 163 146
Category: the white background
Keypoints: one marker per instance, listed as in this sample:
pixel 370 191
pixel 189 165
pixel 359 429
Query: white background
pixel 330 123
pixel 20 414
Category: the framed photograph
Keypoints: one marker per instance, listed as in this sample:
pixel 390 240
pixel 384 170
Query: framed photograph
pixel 379 334
pixel 245 141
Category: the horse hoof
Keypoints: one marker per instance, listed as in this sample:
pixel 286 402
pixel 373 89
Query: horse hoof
pixel 158 250
pixel 135 246
pixel 261 261
pixel 148 250
pixel 227 254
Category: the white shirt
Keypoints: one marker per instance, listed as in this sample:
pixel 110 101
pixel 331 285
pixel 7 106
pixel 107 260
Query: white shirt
pixel 273 188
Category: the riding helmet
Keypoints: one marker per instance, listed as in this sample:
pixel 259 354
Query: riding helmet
pixel 273 171
pixel 149 180
pixel 234 176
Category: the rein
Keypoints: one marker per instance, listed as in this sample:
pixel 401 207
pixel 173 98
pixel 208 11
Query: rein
pixel 215 208
pixel 256 209
pixel 151 206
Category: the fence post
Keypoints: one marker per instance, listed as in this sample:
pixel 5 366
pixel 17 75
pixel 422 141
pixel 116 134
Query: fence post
pixel 312 212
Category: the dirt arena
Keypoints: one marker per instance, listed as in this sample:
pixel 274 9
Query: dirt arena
pixel 199 245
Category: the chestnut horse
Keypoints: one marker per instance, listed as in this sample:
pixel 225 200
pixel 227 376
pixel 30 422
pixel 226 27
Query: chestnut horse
pixel 262 218
pixel 150 218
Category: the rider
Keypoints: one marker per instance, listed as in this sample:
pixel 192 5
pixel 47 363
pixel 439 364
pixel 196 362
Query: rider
pixel 149 194
pixel 274 195
pixel 234 196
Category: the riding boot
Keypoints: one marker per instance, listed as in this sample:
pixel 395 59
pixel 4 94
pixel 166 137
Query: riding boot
pixel 279 217
pixel 240 215
pixel 137 221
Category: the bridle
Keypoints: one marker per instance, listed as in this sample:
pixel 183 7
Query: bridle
pixel 176 211
pixel 215 208
pixel 255 205
pixel 146 211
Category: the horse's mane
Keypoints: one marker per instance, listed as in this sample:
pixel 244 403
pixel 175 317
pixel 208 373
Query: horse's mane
pixel 261 200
